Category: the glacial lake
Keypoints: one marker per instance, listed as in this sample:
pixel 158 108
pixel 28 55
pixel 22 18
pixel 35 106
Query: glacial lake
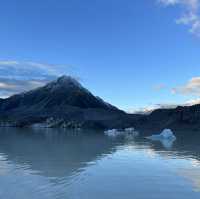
pixel 63 164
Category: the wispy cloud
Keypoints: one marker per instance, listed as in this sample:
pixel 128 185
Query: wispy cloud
pixel 16 76
pixel 149 109
pixel 192 87
pixel 193 102
pixel 191 13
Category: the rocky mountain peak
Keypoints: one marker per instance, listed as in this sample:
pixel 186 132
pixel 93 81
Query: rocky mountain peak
pixel 64 82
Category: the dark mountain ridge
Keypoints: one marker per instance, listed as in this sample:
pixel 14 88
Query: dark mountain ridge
pixel 180 118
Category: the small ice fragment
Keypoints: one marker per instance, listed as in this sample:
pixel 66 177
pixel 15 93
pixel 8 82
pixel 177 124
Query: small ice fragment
pixel 119 132
pixel 112 132
pixel 130 130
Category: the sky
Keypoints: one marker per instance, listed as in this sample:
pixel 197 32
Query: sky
pixel 134 54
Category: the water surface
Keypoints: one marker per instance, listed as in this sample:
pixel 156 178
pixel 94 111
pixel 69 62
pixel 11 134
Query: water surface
pixel 62 164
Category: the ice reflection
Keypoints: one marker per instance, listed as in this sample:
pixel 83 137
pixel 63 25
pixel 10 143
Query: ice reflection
pixel 49 164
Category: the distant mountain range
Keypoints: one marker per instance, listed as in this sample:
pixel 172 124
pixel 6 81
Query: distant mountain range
pixel 66 103
pixel 182 118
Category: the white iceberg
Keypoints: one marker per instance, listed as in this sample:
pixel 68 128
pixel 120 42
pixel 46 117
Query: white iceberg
pixel 125 132
pixel 166 134
pixel 167 138
pixel 113 132
pixel 130 130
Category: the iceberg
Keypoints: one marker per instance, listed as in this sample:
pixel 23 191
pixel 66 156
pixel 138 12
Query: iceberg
pixel 167 138
pixel 113 132
pixel 118 132
pixel 166 134
pixel 130 130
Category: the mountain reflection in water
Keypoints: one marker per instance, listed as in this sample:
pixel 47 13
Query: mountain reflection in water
pixel 53 163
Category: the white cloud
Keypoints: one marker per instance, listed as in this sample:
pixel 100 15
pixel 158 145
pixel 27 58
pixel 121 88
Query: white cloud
pixel 17 76
pixel 6 86
pixel 192 87
pixel 145 110
pixel 190 16
pixel 5 63
pixel 169 2
pixel 12 86
pixel 149 109
pixel 21 68
pixel 193 102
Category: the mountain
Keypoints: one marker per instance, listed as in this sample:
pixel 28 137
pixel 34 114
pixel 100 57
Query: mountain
pixel 64 91
pixel 184 118
pixel 63 102
pixel 66 103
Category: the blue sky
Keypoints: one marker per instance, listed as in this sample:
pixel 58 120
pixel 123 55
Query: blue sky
pixel 133 54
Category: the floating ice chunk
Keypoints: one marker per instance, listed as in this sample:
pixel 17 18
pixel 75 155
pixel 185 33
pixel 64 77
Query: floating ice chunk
pixel 166 134
pixel 167 138
pixel 130 130
pixel 113 132
pixel 117 132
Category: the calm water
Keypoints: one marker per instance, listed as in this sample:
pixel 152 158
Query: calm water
pixel 59 164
